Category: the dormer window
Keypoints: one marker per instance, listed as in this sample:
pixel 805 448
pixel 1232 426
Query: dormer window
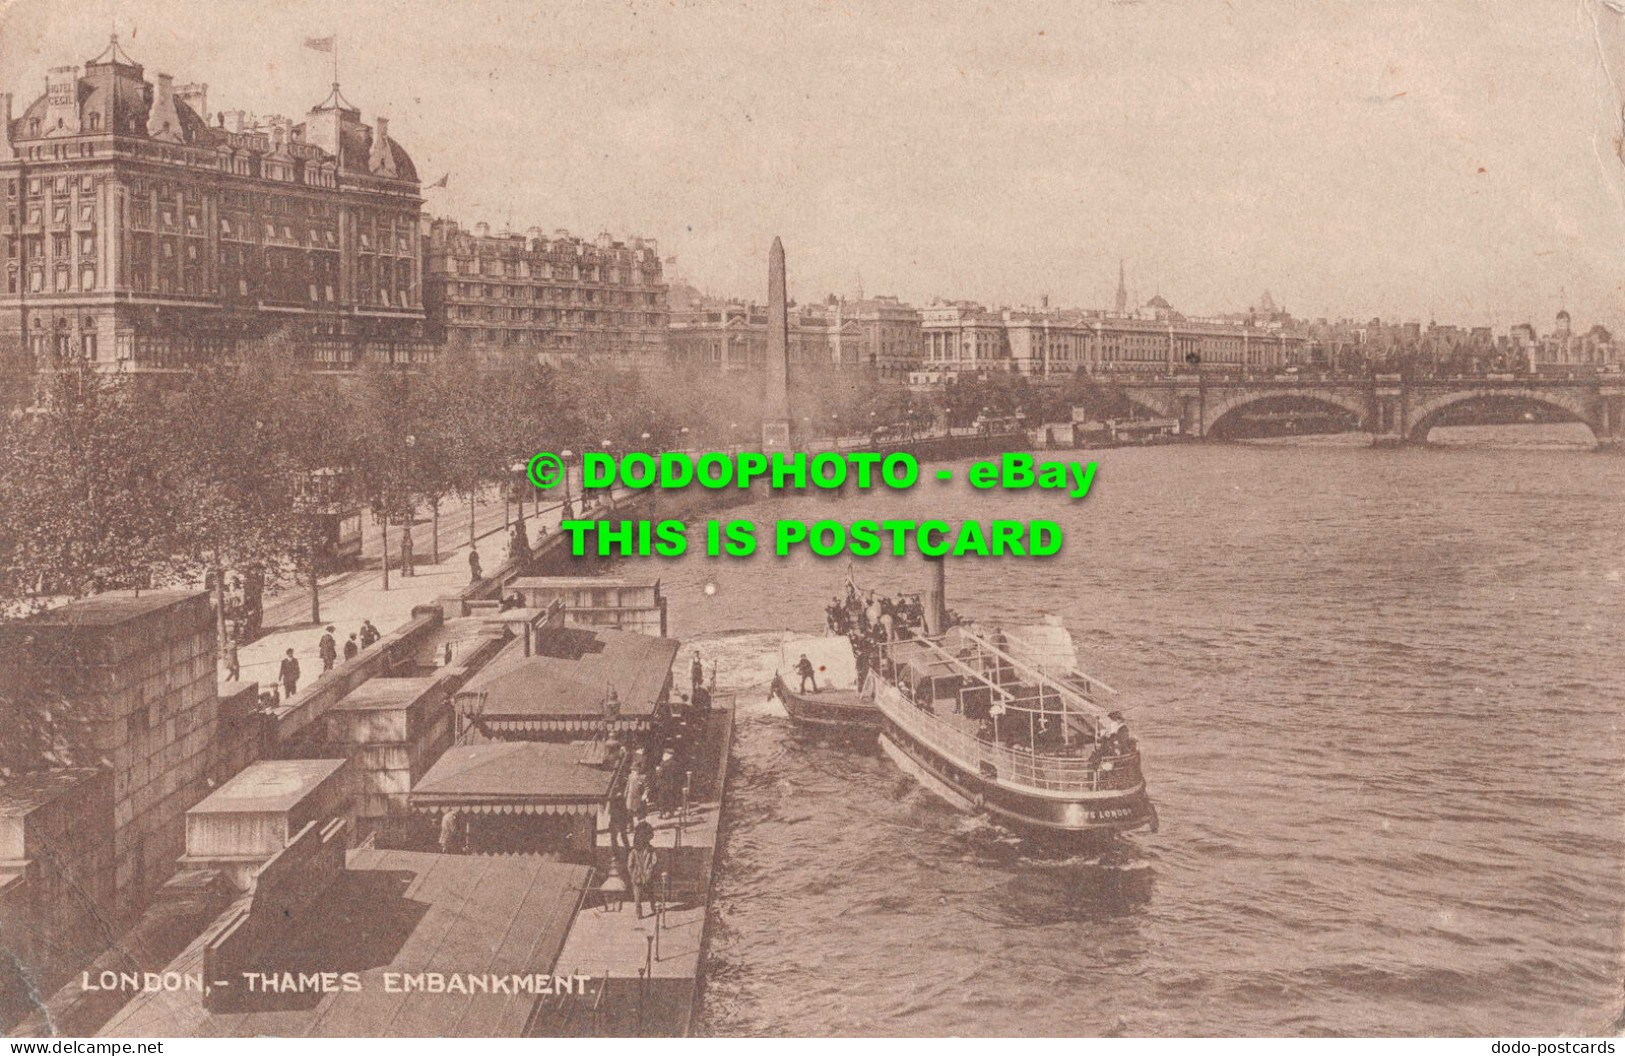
pixel 33 126
pixel 95 122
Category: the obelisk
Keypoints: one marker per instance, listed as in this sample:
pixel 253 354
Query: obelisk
pixel 776 382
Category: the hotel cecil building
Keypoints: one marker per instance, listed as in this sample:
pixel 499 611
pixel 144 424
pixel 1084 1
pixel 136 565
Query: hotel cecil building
pixel 146 236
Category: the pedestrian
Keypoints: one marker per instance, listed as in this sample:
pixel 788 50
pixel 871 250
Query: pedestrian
pixel 447 655
pixel 328 650
pixel 407 563
pixel 352 648
pixel 634 787
pixel 640 865
pixel 666 785
pixel 702 700
pixel 288 675
pixel 369 634
pixel 804 668
pixel 620 821
pixel 474 575
pixel 696 671
pixel 234 669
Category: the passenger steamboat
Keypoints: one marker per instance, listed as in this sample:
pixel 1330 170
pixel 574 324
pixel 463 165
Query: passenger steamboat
pixel 1002 721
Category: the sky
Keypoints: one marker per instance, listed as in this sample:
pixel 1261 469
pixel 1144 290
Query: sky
pixel 1424 160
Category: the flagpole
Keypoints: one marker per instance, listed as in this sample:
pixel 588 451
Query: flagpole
pixel 335 60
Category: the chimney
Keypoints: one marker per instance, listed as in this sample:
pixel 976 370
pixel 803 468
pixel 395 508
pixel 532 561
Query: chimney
pixel 323 128
pixel 482 230
pixel 163 121
pixel 195 96
pixel 382 159
pixel 233 120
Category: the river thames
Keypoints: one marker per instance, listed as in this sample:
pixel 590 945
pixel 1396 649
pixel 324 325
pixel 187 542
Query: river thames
pixel 1378 695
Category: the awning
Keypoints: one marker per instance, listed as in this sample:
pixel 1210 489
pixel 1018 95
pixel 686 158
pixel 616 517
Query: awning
pixel 437 806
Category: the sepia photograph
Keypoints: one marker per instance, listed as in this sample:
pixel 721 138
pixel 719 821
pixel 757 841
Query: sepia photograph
pixel 793 519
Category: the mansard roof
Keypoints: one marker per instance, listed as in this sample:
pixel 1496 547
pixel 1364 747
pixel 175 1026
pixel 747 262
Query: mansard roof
pixel 113 96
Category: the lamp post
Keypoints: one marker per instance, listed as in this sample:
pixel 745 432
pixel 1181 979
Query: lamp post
pixel 520 475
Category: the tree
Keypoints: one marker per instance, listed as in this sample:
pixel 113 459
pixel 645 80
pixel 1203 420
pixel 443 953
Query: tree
pixel 86 492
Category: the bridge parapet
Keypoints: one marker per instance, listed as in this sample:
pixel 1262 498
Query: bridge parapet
pixel 1394 409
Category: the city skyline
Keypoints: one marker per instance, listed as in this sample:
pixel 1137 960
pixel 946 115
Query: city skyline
pixel 1014 167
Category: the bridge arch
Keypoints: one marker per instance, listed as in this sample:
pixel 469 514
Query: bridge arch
pixel 1425 413
pixel 1229 403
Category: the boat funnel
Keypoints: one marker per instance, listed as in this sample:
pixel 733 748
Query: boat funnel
pixel 936 597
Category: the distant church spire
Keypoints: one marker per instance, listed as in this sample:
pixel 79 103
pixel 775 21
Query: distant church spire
pixel 1122 289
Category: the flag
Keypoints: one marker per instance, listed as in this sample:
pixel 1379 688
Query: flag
pixel 441 182
pixel 322 44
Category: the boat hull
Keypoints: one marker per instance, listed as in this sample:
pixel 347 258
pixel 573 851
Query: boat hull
pixel 835 709
pixel 1098 813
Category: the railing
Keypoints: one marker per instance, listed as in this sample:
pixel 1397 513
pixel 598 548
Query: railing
pixel 1079 682
pixel 1009 765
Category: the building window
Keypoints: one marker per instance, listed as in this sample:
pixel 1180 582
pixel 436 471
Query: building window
pixel 87 279
pixel 62 283
pixel 87 212
pixel 87 245
pixel 59 214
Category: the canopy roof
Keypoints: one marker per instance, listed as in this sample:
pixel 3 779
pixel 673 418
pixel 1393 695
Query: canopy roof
pixel 514 777
pixel 572 672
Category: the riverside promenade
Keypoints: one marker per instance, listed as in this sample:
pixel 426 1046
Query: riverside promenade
pixel 358 594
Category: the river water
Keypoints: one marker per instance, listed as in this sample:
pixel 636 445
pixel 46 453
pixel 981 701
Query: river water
pixel 1378 695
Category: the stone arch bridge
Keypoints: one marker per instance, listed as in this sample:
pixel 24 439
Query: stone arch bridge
pixel 1394 409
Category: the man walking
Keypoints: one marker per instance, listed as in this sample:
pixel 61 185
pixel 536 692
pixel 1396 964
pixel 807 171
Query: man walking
pixel 328 650
pixel 696 672
pixel 288 675
pixel 804 668
pixel 234 668
pixel 369 634
pixel 474 575
pixel 407 563
pixel 351 648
